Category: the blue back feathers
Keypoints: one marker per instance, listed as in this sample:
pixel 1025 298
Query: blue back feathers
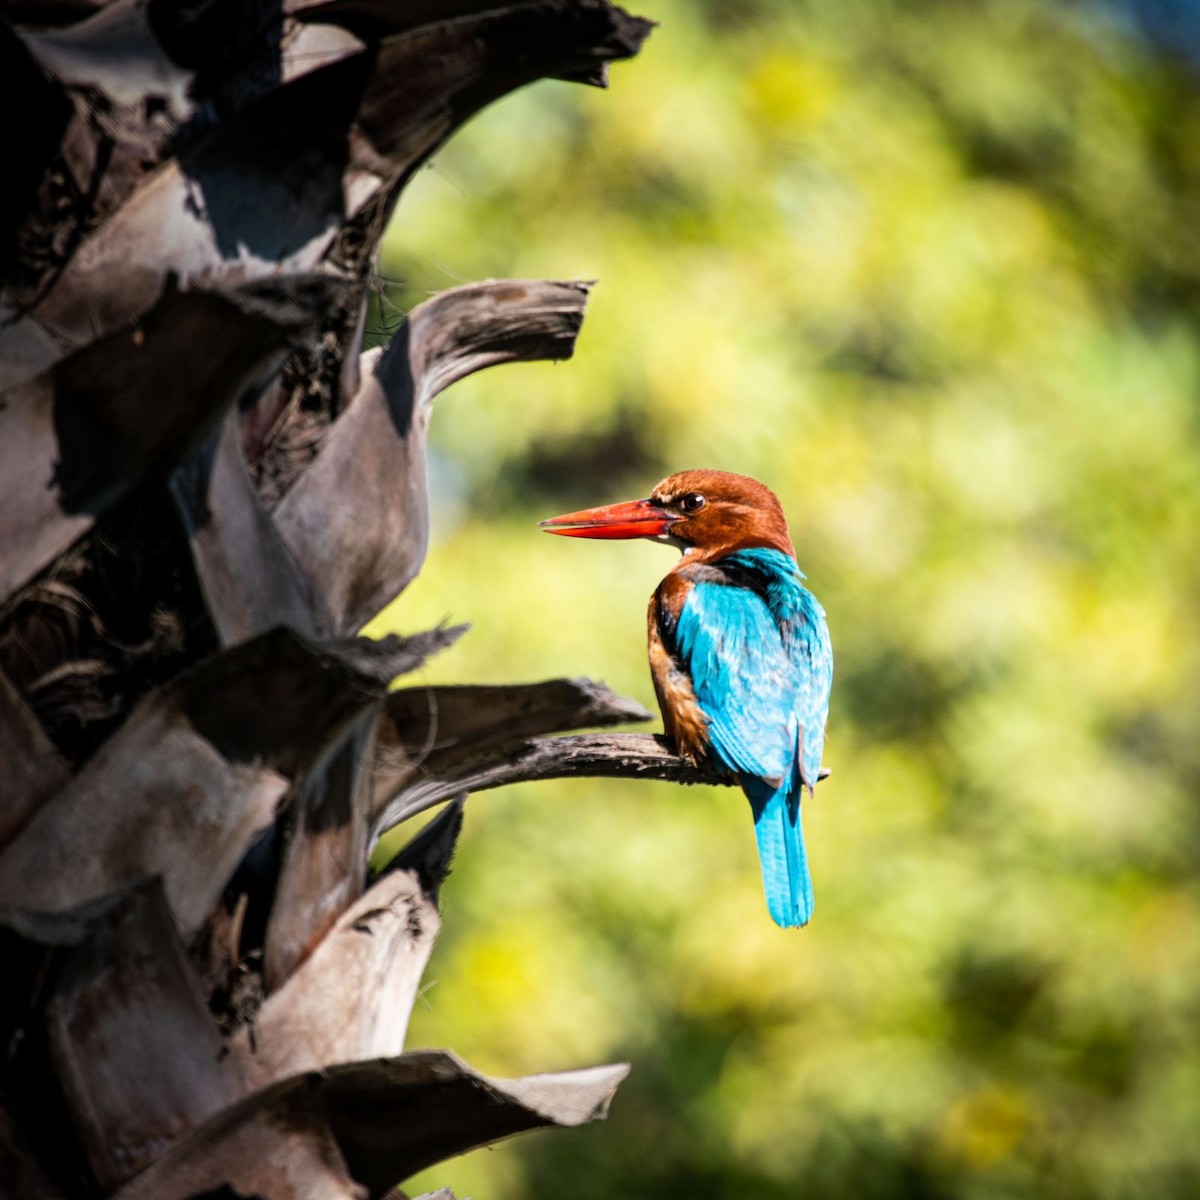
pixel 755 644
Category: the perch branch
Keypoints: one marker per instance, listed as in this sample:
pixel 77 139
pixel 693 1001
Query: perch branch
pixel 606 755
pixel 427 730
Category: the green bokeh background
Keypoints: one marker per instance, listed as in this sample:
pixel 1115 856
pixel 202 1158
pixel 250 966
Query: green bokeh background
pixel 931 271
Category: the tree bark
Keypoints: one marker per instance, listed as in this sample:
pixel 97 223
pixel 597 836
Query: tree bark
pixel 205 491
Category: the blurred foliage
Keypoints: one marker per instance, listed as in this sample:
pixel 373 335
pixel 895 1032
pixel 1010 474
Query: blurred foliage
pixel 932 272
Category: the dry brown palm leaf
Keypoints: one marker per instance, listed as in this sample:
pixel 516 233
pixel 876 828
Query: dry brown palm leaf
pixel 367 1125
pixel 81 435
pixel 358 518
pixel 352 998
pixel 196 772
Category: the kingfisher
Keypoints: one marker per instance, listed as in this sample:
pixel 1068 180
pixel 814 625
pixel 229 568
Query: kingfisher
pixel 739 653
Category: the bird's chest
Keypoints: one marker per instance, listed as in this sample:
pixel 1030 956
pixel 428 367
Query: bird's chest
pixel 684 720
pixel 725 682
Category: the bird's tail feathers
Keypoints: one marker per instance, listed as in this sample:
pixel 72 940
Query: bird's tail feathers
pixel 781 852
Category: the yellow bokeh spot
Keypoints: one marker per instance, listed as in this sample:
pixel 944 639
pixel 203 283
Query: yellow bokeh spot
pixel 985 1127
pixel 789 90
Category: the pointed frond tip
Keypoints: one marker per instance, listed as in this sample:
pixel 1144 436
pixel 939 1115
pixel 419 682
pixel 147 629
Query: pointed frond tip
pixel 369 1123
pixel 430 854
pixel 404 654
pixel 403 791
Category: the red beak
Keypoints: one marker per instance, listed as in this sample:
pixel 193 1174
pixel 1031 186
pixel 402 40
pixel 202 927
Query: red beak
pixel 633 519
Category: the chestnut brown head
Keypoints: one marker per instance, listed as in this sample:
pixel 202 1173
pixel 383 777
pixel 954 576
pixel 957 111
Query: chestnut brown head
pixel 708 513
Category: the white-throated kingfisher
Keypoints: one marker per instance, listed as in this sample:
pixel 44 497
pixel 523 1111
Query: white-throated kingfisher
pixel 739 653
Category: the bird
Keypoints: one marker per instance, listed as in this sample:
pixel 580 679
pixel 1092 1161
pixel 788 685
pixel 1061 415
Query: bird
pixel 739 653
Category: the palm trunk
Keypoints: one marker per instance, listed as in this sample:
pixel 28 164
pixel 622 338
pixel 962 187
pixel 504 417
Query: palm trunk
pixel 206 489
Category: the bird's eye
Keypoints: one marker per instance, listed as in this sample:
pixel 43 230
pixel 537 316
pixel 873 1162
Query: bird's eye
pixel 692 502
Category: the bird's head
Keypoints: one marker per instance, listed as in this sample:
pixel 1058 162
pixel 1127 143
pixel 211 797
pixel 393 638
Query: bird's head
pixel 708 513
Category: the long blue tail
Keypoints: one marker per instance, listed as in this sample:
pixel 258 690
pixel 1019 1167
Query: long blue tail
pixel 781 852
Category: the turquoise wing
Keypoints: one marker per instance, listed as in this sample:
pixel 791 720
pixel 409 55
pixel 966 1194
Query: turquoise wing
pixel 755 644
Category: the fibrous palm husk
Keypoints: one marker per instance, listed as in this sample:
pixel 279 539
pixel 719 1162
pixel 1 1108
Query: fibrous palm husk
pixel 206 489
